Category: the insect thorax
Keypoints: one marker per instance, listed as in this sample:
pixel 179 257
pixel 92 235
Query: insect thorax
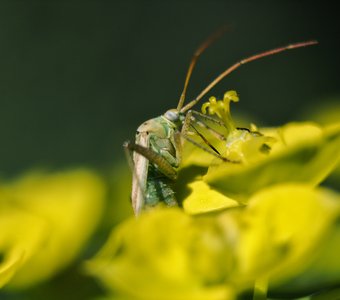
pixel 158 134
pixel 162 141
pixel 160 126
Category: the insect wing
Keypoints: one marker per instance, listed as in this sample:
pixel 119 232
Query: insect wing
pixel 140 174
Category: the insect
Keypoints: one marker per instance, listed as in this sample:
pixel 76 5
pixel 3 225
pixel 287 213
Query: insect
pixel 156 153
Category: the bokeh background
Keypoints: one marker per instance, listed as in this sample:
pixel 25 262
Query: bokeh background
pixel 78 77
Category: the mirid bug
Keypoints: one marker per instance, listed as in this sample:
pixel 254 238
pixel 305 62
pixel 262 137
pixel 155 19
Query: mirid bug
pixel 156 152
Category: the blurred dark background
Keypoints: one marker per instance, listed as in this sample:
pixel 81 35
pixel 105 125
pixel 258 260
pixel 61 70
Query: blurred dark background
pixel 78 77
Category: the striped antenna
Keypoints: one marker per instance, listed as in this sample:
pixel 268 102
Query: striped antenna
pixel 212 38
pixel 243 62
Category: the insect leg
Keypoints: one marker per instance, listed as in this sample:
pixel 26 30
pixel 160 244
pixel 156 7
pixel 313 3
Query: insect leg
pixel 209 118
pixel 184 133
pixel 155 159
pixel 205 140
pixel 216 154
pixel 206 126
pixel 220 123
pixel 178 145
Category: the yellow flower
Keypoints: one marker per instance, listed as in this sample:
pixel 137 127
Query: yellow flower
pixel 296 152
pixel 253 221
pixel 327 113
pixel 46 219
pixel 309 161
pixel 221 108
pixel 289 234
pixel 165 254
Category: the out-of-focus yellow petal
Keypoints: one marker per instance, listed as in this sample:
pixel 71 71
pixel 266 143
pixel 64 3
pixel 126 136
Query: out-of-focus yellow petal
pixel 165 254
pixel 119 203
pixel 289 234
pixel 293 134
pixel 325 112
pixel 52 216
pixel 310 161
pixel 203 199
pixel 10 263
pixel 21 235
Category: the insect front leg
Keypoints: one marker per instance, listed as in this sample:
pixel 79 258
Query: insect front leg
pixel 185 132
pixel 156 159
pixel 204 125
pixel 152 178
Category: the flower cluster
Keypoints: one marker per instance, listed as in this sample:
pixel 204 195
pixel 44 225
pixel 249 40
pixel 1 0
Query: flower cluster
pixel 257 220
pixel 255 225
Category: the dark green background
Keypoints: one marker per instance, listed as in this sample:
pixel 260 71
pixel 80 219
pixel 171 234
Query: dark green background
pixel 77 77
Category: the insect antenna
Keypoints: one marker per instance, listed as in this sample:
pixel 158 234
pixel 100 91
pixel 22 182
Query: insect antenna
pixel 212 38
pixel 243 62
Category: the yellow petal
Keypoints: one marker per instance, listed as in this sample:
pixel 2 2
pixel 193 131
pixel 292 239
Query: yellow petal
pixel 164 254
pixel 203 199
pixel 309 161
pixel 282 236
pixel 62 210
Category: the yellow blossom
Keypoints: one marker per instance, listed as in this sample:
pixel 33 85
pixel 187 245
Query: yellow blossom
pixel 46 220
pixel 165 254
pixel 253 221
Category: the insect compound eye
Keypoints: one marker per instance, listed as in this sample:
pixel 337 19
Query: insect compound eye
pixel 172 115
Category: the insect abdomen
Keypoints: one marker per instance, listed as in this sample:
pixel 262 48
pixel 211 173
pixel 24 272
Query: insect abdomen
pixel 159 189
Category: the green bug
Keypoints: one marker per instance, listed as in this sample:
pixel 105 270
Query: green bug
pixel 156 152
